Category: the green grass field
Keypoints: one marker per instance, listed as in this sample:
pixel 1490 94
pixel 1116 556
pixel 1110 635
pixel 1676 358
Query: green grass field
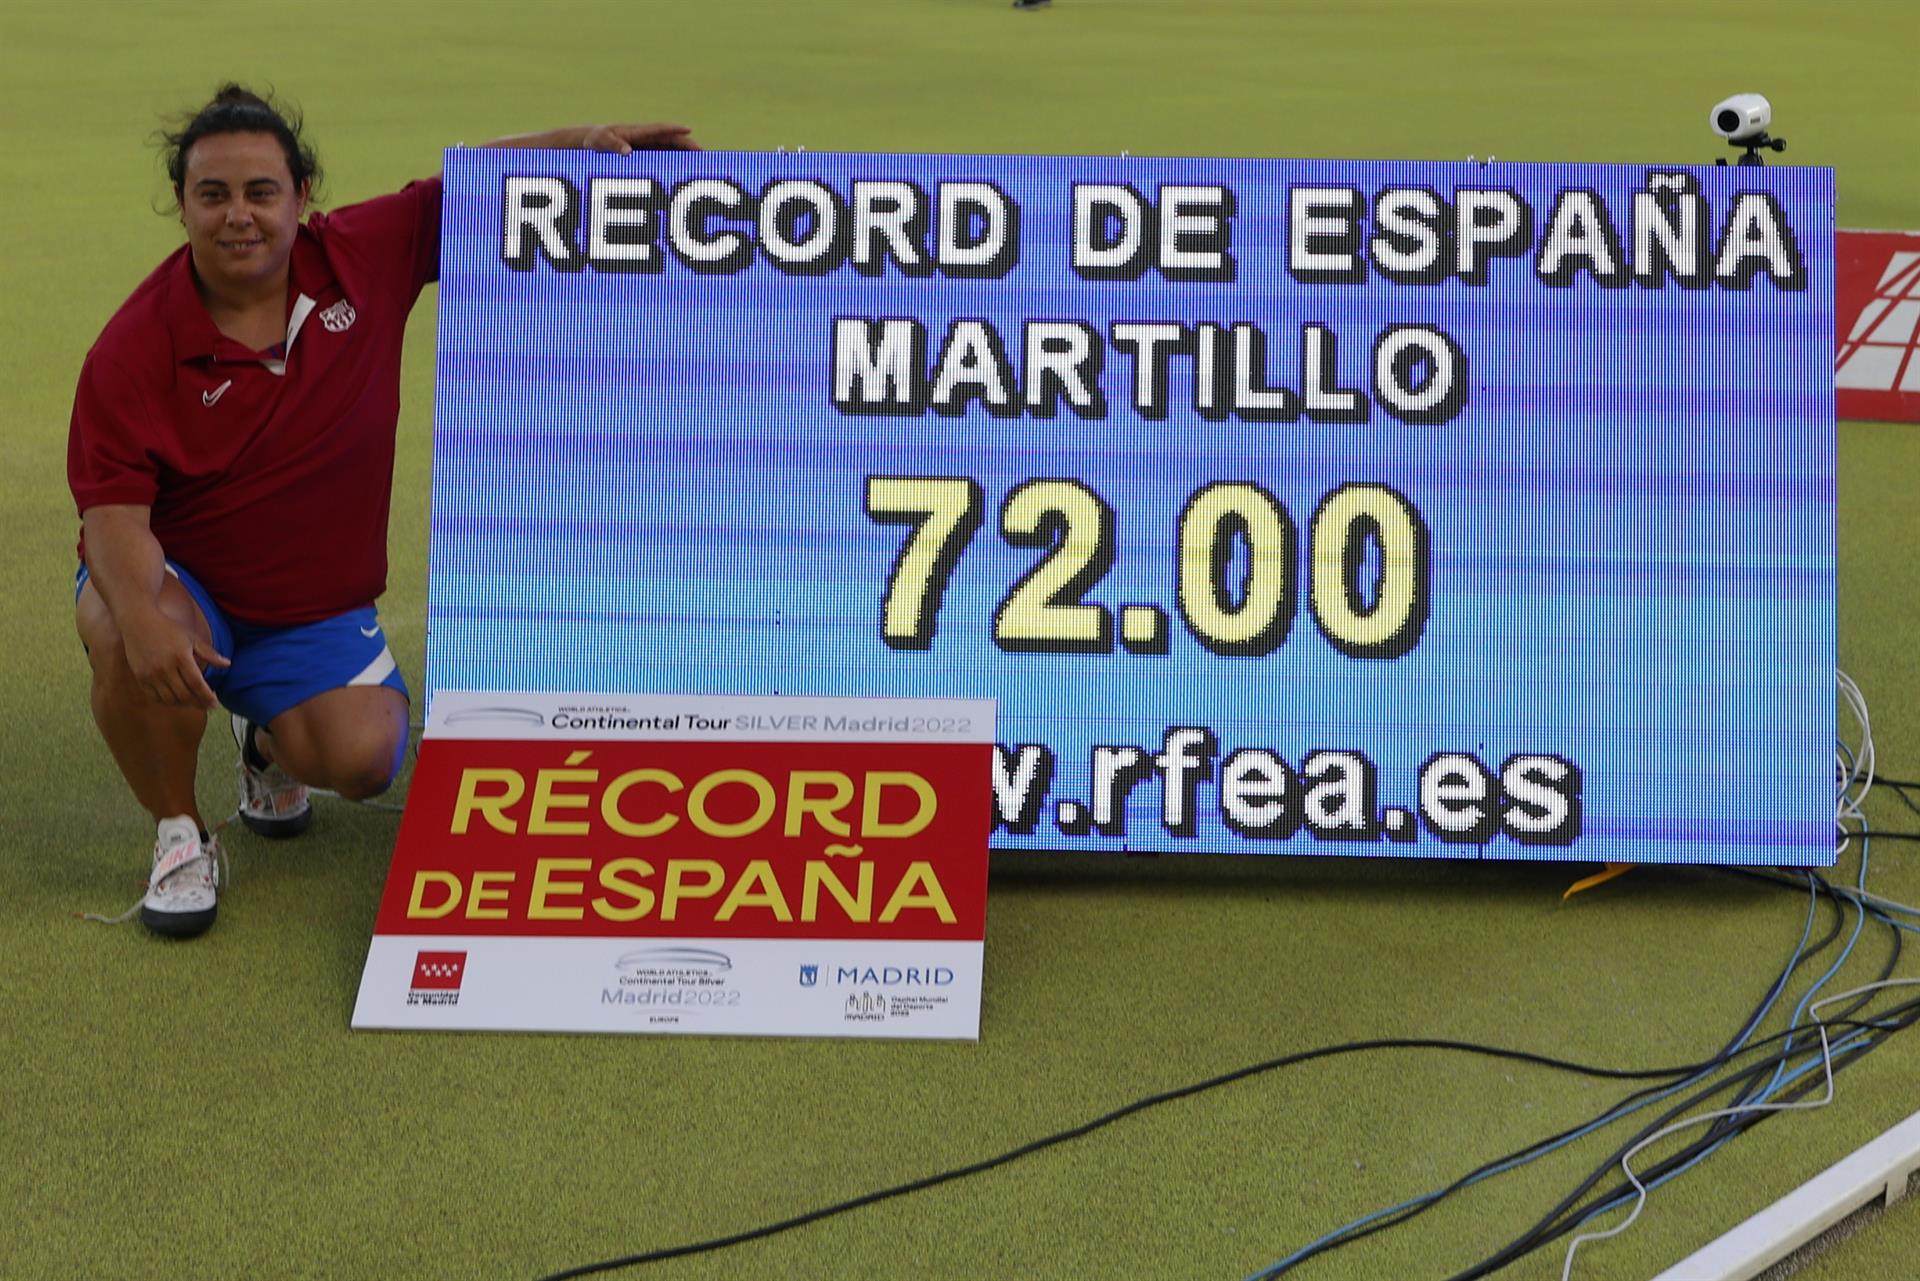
pixel 203 1110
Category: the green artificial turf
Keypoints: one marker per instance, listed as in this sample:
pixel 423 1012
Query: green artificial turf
pixel 203 1110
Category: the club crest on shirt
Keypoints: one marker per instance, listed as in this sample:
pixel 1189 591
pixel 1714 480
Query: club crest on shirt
pixel 339 317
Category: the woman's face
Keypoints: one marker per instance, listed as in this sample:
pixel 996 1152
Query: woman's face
pixel 241 209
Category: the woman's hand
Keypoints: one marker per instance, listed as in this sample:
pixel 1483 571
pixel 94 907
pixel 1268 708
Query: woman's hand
pixel 624 139
pixel 166 659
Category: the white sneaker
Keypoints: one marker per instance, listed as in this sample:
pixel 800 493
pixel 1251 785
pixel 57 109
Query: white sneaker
pixel 272 802
pixel 182 889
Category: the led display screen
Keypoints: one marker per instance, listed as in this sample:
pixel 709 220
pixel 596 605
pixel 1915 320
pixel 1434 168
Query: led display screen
pixel 1308 507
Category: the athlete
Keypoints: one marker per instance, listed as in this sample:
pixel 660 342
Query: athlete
pixel 231 456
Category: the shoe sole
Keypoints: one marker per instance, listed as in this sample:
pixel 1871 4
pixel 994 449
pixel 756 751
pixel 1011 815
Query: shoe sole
pixel 278 829
pixel 178 925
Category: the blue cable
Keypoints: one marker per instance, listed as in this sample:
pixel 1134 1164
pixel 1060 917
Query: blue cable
pixel 1882 911
pixel 1836 1049
pixel 1781 1076
pixel 1766 1007
pixel 1793 1022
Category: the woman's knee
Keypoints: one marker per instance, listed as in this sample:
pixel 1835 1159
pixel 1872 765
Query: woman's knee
pixel 357 765
pixel 369 775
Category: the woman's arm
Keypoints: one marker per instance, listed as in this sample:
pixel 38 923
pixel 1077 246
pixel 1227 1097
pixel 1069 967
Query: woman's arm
pixel 127 567
pixel 619 139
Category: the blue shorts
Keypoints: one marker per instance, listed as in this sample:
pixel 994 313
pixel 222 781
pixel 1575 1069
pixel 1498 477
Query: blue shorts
pixel 276 668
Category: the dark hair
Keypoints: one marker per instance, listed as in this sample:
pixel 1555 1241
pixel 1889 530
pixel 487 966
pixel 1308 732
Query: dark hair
pixel 235 109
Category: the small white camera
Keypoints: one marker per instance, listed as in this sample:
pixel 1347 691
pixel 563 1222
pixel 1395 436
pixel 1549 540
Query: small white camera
pixel 1742 118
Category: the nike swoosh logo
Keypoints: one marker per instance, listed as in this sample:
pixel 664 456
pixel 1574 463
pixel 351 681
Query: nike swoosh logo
pixel 370 632
pixel 208 398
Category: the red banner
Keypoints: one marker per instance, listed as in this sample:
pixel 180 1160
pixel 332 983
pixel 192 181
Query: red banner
pixel 705 839
pixel 1876 364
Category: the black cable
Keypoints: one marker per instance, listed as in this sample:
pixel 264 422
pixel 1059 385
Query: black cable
pixel 1895 936
pixel 1539 1146
pixel 871 1198
pixel 1716 1132
pixel 1907 1013
pixel 1821 888
pixel 1100 1122
pixel 1748 1077
pixel 1895 782
pixel 1564 1218
pixel 1889 836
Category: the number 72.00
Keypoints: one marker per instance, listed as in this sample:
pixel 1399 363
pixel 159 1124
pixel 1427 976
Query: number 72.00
pixel 1368 567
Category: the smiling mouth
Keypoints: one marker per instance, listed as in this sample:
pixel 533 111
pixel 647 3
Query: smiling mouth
pixel 241 244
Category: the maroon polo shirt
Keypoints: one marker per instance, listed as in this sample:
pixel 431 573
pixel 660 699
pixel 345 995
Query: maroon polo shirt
pixel 268 476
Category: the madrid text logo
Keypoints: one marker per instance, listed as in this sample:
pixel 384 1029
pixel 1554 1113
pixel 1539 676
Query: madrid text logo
pixel 809 975
pixel 436 978
pixel 893 975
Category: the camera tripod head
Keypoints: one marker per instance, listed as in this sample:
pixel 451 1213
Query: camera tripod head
pixel 1742 120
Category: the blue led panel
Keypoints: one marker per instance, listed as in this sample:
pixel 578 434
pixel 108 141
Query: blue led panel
pixel 1315 507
